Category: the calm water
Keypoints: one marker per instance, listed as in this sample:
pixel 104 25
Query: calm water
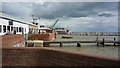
pixel 91 48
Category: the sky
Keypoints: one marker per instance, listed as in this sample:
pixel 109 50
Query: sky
pixel 75 16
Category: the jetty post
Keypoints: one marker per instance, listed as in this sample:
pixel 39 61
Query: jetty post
pixel 61 44
pixel 26 44
pixel 114 41
pixel 97 41
pixel 103 42
pixel 78 44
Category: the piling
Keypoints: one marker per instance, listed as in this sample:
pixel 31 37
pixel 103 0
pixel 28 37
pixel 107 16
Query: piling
pixel 103 42
pixel 61 44
pixel 78 45
pixel 97 41
pixel 26 44
pixel 114 41
pixel 97 44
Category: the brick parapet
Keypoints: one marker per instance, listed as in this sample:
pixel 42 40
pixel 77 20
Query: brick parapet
pixel 44 56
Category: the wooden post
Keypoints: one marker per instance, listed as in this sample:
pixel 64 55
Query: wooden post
pixel 103 42
pixel 114 41
pixel 97 41
pixel 61 44
pixel 97 44
pixel 78 45
pixel 26 44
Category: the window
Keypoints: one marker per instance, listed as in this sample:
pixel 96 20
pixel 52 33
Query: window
pixel 0 28
pixel 8 28
pixel 36 23
pixel 20 30
pixel 11 28
pixel 4 28
pixel 17 29
pixel 10 22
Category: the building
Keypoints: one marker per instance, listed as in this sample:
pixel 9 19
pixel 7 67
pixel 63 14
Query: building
pixel 9 24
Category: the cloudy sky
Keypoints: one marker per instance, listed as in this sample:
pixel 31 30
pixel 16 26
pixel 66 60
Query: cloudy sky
pixel 76 16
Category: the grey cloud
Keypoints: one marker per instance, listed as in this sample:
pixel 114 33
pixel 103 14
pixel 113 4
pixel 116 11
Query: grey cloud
pixel 17 9
pixel 52 10
pixel 105 14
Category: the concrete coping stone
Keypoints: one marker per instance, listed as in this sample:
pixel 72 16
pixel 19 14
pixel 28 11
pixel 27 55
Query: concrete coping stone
pixel 35 41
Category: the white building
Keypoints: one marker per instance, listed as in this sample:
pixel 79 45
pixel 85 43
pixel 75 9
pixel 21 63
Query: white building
pixel 8 24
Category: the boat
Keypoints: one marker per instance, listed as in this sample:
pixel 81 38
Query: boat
pixel 68 37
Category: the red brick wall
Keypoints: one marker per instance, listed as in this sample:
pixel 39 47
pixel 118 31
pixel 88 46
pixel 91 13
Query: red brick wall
pixel 43 56
pixel 44 37
pixel 10 40
pixel 0 41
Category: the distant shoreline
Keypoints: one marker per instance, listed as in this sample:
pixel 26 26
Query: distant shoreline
pixel 95 33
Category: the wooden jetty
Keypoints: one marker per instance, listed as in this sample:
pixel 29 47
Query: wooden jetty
pixel 41 43
pixel 79 42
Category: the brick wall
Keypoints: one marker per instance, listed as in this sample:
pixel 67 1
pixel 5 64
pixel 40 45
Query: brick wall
pixel 10 40
pixel 0 41
pixel 43 56
pixel 44 37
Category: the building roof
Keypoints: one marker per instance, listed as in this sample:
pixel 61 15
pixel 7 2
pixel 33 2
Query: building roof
pixel 44 28
pixel 8 17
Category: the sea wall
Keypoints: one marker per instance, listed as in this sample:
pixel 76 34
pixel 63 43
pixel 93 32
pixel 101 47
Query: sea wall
pixel 44 37
pixel 11 40
pixel 43 56
pixel 95 33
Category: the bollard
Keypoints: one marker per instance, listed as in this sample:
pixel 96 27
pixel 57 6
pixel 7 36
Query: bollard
pixel 114 41
pixel 61 44
pixel 78 45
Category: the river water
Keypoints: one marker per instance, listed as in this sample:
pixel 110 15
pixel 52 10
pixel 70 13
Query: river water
pixel 91 48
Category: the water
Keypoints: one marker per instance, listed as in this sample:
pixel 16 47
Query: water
pixel 85 38
pixel 90 48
